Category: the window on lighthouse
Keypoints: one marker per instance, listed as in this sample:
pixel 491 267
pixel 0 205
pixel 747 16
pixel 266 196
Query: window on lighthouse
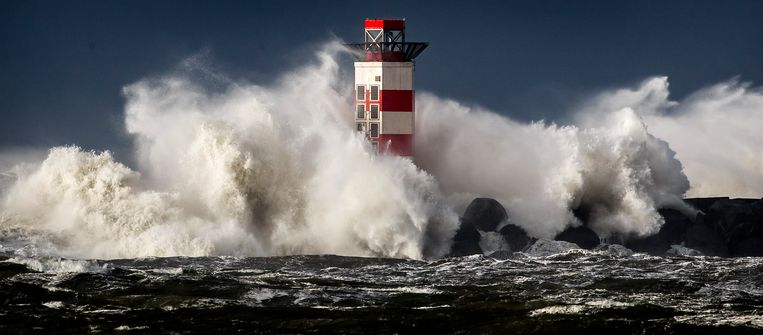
pixel 374 130
pixel 361 112
pixel 373 35
pixel 361 93
pixel 374 111
pixel 374 92
pixel 361 127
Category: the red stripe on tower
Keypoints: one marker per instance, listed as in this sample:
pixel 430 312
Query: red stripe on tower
pixel 397 100
pixel 391 24
pixel 396 144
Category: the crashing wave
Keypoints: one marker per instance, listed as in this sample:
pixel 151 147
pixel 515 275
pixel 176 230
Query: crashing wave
pixel 277 170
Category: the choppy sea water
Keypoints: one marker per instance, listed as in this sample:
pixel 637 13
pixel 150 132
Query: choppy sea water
pixel 605 290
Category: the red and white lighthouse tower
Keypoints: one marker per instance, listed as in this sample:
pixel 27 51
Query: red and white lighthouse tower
pixel 384 97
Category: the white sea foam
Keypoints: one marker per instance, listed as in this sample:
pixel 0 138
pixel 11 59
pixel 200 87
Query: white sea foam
pixel 545 247
pixel 492 241
pixel 558 309
pixel 53 304
pixel 57 265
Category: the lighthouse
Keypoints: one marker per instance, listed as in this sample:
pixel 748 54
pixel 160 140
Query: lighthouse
pixel 384 96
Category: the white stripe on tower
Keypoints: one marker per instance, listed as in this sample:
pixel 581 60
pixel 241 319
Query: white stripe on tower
pixel 394 75
pixel 397 123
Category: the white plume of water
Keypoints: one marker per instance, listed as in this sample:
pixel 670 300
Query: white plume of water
pixel 277 169
pixel 250 170
pixel 618 172
pixel 716 131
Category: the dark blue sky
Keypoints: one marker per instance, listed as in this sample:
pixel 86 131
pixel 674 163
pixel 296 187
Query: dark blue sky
pixel 63 63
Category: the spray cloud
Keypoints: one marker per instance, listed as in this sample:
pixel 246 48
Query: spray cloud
pixel 250 170
pixel 277 169
pixel 714 131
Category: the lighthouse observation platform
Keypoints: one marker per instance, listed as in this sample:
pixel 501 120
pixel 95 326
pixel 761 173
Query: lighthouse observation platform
pixel 384 41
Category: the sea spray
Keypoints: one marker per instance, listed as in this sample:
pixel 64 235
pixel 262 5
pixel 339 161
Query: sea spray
pixel 715 131
pixel 618 173
pixel 249 170
pixel 89 207
pixel 260 170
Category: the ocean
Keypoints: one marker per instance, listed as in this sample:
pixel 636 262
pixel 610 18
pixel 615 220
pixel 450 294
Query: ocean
pixel 610 289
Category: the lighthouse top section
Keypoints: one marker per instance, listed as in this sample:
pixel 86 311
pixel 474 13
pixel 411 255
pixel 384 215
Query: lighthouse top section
pixel 384 41
pixel 389 24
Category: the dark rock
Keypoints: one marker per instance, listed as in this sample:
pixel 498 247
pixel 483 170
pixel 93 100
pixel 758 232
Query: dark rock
pixel 485 213
pixel 9 269
pixel 750 247
pixel 706 240
pixel 582 212
pixel 673 231
pixel 679 250
pixel 757 209
pixel 583 236
pixel 675 218
pixel 515 237
pixel 730 210
pixel 467 240
pixel 703 204
pixel 757 215
pixel 734 219
pixel 723 227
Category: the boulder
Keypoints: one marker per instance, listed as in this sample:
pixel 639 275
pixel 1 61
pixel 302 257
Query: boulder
pixel 734 219
pixel 583 236
pixel 757 215
pixel 727 215
pixel 582 212
pixel 750 247
pixel 673 231
pixel 653 244
pixel 757 210
pixel 492 241
pixel 485 213
pixel 466 241
pixel 515 237
pixel 703 204
pixel 679 250
pixel 706 240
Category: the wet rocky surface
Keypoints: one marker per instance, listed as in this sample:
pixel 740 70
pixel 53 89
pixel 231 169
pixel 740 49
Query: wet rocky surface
pixel 720 227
